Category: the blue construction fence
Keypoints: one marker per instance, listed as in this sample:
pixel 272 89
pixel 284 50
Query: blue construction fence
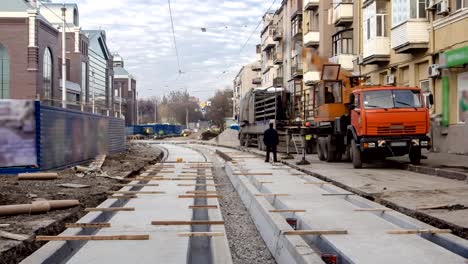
pixel 155 129
pixel 37 137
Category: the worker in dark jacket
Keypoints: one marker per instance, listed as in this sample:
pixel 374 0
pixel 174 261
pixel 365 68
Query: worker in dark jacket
pixel 271 140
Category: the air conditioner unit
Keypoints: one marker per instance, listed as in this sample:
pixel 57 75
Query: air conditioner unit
pixel 443 7
pixel 390 79
pixel 433 70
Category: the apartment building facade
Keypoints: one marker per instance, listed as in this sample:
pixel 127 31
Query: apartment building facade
pixel 424 44
pixel 77 81
pixel 29 48
pixel 125 105
pixel 249 77
pixel 101 73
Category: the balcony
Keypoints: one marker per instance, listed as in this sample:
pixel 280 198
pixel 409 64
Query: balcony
pixel 256 67
pixel 277 34
pixel 268 43
pixel 343 14
pixel 311 77
pixel 346 61
pixel 312 39
pixel 376 51
pixel 311 4
pixel 296 70
pixel 257 81
pixel 267 65
pixel 278 82
pixel 296 8
pixel 410 36
pixel 278 58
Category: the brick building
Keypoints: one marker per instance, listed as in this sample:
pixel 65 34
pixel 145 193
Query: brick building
pixel 124 92
pixel 29 48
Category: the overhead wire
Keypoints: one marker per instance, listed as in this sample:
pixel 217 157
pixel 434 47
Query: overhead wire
pixel 174 36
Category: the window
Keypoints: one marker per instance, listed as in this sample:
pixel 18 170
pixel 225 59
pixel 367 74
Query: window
pixel 313 23
pixel 382 25
pixel 343 42
pixel 461 4
pixel 392 99
pixel 47 74
pixel 368 29
pixel 4 73
pixel 403 10
pixel 296 26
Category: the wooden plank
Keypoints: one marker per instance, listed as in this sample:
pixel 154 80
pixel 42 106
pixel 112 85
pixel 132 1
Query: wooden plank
pixel 199 184
pixel 201 234
pixel 434 206
pixel 200 196
pixel 337 194
pixel 13 236
pixel 135 192
pixel 202 192
pixel 87 225
pixel 195 176
pixel 137 185
pixel 193 222
pixel 203 207
pixel 316 183
pixel 270 194
pixel 419 231
pixel 110 209
pixel 315 232
pixel 122 197
pixel 254 173
pixel 263 182
pixel 287 211
pixel 113 237
pixel 372 210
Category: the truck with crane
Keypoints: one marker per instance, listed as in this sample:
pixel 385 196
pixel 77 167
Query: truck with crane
pixel 350 121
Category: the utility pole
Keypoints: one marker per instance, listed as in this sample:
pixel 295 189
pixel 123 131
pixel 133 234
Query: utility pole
pixel 137 110
pixel 155 111
pixel 93 91
pixel 121 98
pixel 64 59
pixel 186 117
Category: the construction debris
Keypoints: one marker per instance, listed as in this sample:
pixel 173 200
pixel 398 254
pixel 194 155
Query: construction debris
pixel 40 176
pixel 12 236
pixel 37 207
pixel 73 185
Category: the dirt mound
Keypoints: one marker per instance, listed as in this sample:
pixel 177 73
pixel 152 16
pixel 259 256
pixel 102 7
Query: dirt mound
pixel 229 137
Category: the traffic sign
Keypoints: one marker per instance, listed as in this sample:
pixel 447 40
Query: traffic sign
pixel 203 110
pixel 203 104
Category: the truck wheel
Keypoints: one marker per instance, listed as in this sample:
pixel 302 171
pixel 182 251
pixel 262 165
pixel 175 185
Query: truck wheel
pixel 356 155
pixel 330 154
pixel 415 156
pixel 347 156
pixel 321 149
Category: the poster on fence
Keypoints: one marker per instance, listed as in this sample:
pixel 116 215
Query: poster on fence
pixel 17 134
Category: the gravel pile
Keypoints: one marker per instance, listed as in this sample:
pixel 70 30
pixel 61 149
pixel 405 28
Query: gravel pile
pixel 245 242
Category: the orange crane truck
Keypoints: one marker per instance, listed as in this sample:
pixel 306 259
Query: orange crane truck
pixel 365 123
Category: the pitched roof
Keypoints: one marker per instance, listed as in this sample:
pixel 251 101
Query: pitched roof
pixel 15 6
pixel 120 71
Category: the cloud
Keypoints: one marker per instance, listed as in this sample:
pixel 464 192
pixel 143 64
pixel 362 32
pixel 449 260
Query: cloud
pixel 140 31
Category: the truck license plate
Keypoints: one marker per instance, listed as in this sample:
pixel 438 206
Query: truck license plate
pixel 398 144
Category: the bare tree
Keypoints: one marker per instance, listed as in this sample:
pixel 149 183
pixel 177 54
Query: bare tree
pixel 221 106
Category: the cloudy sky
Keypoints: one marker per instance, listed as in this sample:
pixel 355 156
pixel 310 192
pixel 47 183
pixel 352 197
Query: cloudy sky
pixel 140 31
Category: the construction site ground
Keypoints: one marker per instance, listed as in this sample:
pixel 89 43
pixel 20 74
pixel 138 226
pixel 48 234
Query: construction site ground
pixel 13 191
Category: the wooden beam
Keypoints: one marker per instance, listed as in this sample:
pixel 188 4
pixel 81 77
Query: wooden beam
pixel 137 185
pixel 372 210
pixel 200 196
pixel 287 211
pixel 135 192
pixel 122 197
pixel 199 184
pixel 270 194
pixel 254 173
pixel 201 234
pixel 87 225
pixel 202 192
pixel 110 209
pixel 420 231
pixel 316 183
pixel 114 237
pixel 194 222
pixel 203 207
pixel 434 206
pixel 337 194
pixel 263 182
pixel 315 232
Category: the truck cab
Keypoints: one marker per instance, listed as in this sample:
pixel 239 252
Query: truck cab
pixel 387 121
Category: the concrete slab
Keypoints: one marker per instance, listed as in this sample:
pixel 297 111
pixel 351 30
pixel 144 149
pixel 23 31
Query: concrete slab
pixel 367 240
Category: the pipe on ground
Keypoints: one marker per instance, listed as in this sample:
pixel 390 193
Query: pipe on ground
pixel 37 207
pixel 38 176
